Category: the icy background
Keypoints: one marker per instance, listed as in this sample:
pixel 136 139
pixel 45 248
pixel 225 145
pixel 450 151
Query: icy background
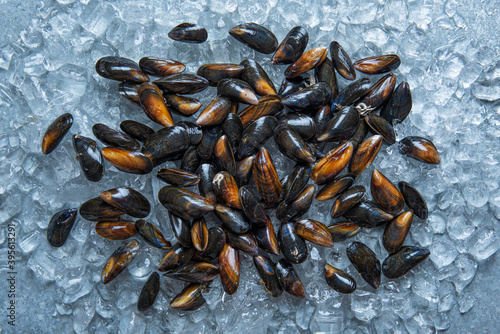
pixel 451 58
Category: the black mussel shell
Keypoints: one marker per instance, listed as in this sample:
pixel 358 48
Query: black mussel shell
pixel 399 105
pixel 182 83
pixel 195 272
pixel 120 69
pixel 205 187
pixel 178 177
pixel 256 37
pixel 128 200
pixel 342 61
pixel 235 220
pixel 181 104
pixel 188 33
pixel 229 268
pixel 96 209
pixel 400 263
pixel 151 234
pixel 119 260
pixel 292 46
pixel 130 91
pixel 237 90
pixel 303 124
pixel 291 144
pixel 419 148
pixel 266 178
pixel 367 214
pixel 194 131
pixel 309 98
pixel 191 160
pixel 378 64
pixel 224 156
pixel 233 129
pixel 89 157
pixel 325 73
pixel 161 67
pixel 244 170
pixel 136 130
pixel 288 278
pixel 366 263
pixel 182 230
pixel 347 200
pixel 184 203
pixel 292 246
pixel 59 227
pixel 313 231
pixel 267 272
pixel 216 241
pixel 266 237
pixel 257 78
pixel 128 161
pixel 341 127
pixel 351 93
pixel 379 94
pixel 296 181
pixel 382 127
pixel 176 257
pixel 245 242
pixel 343 230
pixel 166 143
pixel 207 144
pixel 414 200
pixel 114 138
pixel 286 212
pixel 336 187
pixel 251 205
pixel 56 132
pixel 149 292
pixel 338 280
pixel 255 135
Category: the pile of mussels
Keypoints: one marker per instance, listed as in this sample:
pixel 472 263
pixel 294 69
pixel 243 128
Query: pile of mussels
pixel 222 152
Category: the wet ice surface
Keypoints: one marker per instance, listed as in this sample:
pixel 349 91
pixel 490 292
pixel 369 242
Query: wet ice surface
pixel 450 58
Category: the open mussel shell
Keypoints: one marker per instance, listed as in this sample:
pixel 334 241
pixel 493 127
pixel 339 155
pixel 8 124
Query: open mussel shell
pixel 136 130
pixel 307 61
pixel 325 72
pixel 96 209
pixel 132 202
pixel 245 242
pixel 229 269
pixel 60 225
pixel 233 130
pixel 218 71
pixel 161 67
pixel 211 135
pixel 176 257
pixel 195 272
pixel 336 187
pixel 381 126
pixel 342 61
pixel 343 230
pixel 286 212
pixel 244 170
pixel 216 241
pixel 89 157
pixel 235 220
pixel 365 154
pixel 199 234
pixel 114 137
pixel 115 230
pixel 255 36
pixel 255 135
pixel 226 190
pixel 224 156
pixel 365 261
pixel 347 200
pixel 257 78
pixel 119 260
pixel 367 214
pixel 237 90
pixel 399 105
pixel 414 200
pixel 178 177
pixel 378 64
pixel 266 178
pixel 339 280
pixel 296 181
pixel 313 231
pixel 120 69
pixel 419 148
pixel 56 132
pixel 190 298
pixel 332 164
pixel 153 104
pixel 404 260
pixel 378 94
pixel 310 98
pixel 288 278
pixel 128 161
pixel 292 46
pixel 303 124
pixel 149 292
pixel 130 91
pixel 292 246
pixel 182 83
pixel 206 187
pixel 251 205
pixel 182 230
pixel 188 33
pixel 291 144
pixel 266 237
pixel 215 113
pixel 190 162
pixel 166 143
pixel 183 105
pixel 396 231
pixel 267 272
pixel 341 127
pixel 151 234
pixel 351 93
pixel 184 203
pixel 386 194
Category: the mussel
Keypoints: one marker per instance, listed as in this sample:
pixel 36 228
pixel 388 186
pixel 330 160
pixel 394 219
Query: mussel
pixel 56 132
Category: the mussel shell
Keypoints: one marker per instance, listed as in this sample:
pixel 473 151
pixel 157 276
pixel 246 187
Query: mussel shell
pixel 343 230
pixel 251 205
pixel 195 272
pixel 183 105
pixel 160 67
pixel 367 214
pixel 215 113
pixel 60 225
pixel 244 170
pixel 303 124
pixel 188 33
pixel 233 219
pixel 291 144
pixel 233 129
pixel 229 268
pixel 342 61
pixel 128 200
pixel 130 91
pixel 292 246
pixel 96 209
pixel 56 132
pixel 178 177
pixel 182 83
pixel 218 71
pixel 148 293
pixel 288 278
pixel 386 194
pixel 194 131
pixel 307 61
pixel 365 154
pixel 396 231
pixel 365 261
pixel 351 93
pixel 114 137
pixel 341 127
pixel 286 212
pixel 115 230
pixel 266 178
pixel 224 156
pixel 332 164
pixel 184 203
pixel 382 127
pixel 292 46
pixel 414 200
pixel 176 257
pixel 338 280
pixel 313 231
pixel 325 73
pixel 401 262
pixel 166 143
pixel 255 36
pixel 269 105
pixel 128 161
pixel 336 187
pixel 151 234
pixel 153 104
pixel 267 272
pixel 191 160
pixel 119 260
pixel 136 130
pixel 379 93
pixel 377 64
pixel 347 200
pixel 190 298
pixel 89 157
pixel 323 115
pixel 216 241
pixel 255 135
pixel 237 90
pixel 245 242
pixel 266 237
pixel 360 133
pixel 226 190
pixel 419 148
pixel 399 105
pixel 207 144
pixel 289 86
pixel 310 98
pixel 120 69
pixel 182 230
pixel 257 78
pixel 296 181
pixel 205 187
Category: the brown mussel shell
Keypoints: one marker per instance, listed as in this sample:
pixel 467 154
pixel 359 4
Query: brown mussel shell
pixel 237 90
pixel 251 205
pixel 59 227
pixel 325 73
pixel 191 160
pixel 288 278
pixel 216 241
pixel 190 299
pixel 119 260
pixel 414 200
pixel 401 262
pixel 367 214
pixel 215 113
pixel 255 136
pixel 184 203
pixel 365 261
pixel 286 212
pixel 313 231
pixel 347 200
pixel 307 61
pixel 166 143
pixel 341 127
pixel 89 157
pixel 267 272
pixel 332 164
pixel 245 242
pixel 257 78
pixel 229 269
pixel 224 156
pixel 151 234
pixel 56 132
pixel 186 106
pixel 115 230
pixel 211 135
pixel 114 137
pixel 136 130
pixel 386 194
pixel 351 94
pixel 399 105
pixel 178 177
pixel 96 209
pixel 342 61
pixel 310 98
pixel 291 144
pixel 244 170
pixel 365 154
pixel 266 178
pixel 188 33
pixel 182 230
pixel 266 237
pixel 379 94
pixel 130 91
pixel 120 69
pixel 233 129
pixel 292 46
pixel 338 280
pixel 182 83
pixel 292 246
pixel 216 72
pixel 255 37
pixel 419 148
pixel 132 202
pixel 336 187
pixel 205 187
pixel 128 161
pixel 343 230
pixel 161 67
pixel 176 257
pixel 226 190
pixel 382 127
pixel 200 272
pixel 378 64
pixel 303 124
pixel 396 231
pixel 233 219
pixel 149 292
